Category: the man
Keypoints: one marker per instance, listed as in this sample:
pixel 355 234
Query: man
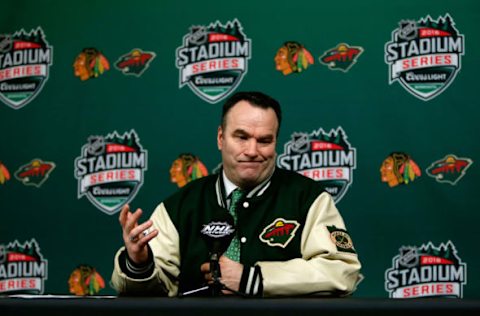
pixel 290 238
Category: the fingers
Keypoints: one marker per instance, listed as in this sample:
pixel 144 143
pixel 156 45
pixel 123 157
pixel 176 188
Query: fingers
pixel 205 269
pixel 132 220
pixel 142 234
pixel 145 238
pixel 122 218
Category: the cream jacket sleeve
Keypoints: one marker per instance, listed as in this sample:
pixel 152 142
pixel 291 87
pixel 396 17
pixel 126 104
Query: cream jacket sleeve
pixel 164 279
pixel 323 268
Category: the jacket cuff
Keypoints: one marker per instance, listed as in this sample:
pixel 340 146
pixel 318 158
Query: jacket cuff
pixel 136 271
pixel 251 282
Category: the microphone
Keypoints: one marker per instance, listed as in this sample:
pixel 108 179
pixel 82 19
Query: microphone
pixel 218 234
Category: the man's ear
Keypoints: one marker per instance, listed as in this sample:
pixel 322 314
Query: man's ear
pixel 219 137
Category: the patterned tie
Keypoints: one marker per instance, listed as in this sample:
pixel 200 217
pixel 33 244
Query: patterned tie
pixel 233 251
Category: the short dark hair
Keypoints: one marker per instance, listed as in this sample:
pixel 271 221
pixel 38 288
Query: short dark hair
pixel 255 98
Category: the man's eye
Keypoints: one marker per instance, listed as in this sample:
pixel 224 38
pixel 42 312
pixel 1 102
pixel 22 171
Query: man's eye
pixel 265 141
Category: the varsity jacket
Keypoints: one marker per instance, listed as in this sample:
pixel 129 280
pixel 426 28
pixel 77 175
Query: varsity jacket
pixel 293 241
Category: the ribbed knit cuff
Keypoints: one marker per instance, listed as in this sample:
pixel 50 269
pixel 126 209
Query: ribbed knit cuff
pixel 251 282
pixel 136 271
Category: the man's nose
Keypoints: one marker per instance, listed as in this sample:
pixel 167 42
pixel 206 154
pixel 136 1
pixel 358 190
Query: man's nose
pixel 251 149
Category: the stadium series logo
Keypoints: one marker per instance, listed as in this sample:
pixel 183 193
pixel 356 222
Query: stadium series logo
pixel 110 170
pixel 425 55
pixel 25 60
pixel 22 268
pixel 426 271
pixel 213 59
pixel 328 158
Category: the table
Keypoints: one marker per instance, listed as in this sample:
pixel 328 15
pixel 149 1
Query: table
pixel 231 306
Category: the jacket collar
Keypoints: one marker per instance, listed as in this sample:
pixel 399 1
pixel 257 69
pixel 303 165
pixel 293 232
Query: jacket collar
pixel 223 189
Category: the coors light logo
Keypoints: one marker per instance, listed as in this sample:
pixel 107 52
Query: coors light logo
pixel 110 170
pixel 424 56
pixel 328 158
pixel 25 59
pixel 213 59
pixel 426 271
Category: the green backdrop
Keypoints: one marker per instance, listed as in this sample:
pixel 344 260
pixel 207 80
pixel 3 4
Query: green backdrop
pixel 377 117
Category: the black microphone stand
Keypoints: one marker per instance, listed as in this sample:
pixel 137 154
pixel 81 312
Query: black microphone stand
pixel 218 235
pixel 216 286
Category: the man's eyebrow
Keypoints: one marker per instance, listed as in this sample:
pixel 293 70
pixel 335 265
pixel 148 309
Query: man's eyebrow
pixel 240 131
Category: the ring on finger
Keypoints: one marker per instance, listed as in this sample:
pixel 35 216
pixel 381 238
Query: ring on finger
pixel 133 238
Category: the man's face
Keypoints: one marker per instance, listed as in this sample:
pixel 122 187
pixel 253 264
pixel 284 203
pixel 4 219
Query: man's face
pixel 247 143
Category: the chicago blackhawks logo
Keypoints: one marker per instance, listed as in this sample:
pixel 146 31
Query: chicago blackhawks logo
pixel 213 59
pixel 85 280
pixel 134 63
pixel 342 57
pixel 35 172
pixel 4 173
pixel 425 55
pixel 186 168
pixel 90 63
pixel 279 233
pixel 450 169
pixel 110 170
pixel 22 268
pixel 25 59
pixel 328 158
pixel 399 168
pixel 292 57
pixel 426 271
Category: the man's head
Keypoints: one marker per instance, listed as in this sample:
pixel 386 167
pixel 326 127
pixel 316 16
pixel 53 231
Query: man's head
pixel 247 137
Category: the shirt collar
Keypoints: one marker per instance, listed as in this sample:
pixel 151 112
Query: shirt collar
pixel 228 185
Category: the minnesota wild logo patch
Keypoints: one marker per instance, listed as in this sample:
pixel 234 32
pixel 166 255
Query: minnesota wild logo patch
pixel 279 233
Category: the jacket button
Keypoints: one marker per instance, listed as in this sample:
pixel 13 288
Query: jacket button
pixel 246 204
pixel 243 240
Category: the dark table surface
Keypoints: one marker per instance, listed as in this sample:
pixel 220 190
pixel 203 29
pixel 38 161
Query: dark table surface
pixel 230 306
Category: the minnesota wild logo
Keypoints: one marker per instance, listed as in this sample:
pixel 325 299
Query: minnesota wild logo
pixel 342 57
pixel 35 172
pixel 134 63
pixel 450 169
pixel 279 233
